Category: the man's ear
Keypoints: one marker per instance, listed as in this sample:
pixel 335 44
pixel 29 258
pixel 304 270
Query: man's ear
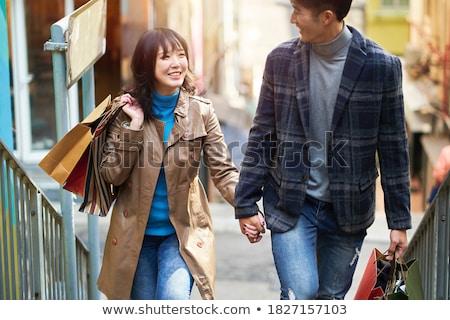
pixel 327 16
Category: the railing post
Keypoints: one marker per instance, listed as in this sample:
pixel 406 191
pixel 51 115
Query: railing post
pixel 58 47
pixel 38 251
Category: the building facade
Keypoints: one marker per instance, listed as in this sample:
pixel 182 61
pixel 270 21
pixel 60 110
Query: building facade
pixel 387 24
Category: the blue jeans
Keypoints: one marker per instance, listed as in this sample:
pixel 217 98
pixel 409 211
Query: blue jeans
pixel 315 260
pixel 161 273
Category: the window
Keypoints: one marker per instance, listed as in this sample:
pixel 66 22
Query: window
pixel 395 4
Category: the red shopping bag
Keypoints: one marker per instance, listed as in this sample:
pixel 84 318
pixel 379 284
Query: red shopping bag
pixel 375 279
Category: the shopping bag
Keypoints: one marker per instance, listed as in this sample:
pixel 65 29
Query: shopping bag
pixel 99 195
pixel 66 162
pixel 75 181
pixel 406 283
pixel 376 277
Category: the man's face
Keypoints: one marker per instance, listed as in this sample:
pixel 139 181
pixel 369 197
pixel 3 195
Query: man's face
pixel 309 25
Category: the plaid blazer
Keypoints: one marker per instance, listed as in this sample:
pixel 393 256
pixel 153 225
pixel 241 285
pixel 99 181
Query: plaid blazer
pixel 368 130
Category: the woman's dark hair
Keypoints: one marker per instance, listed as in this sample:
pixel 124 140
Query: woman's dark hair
pixel 339 7
pixel 144 60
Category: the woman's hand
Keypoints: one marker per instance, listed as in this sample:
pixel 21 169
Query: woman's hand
pixel 134 110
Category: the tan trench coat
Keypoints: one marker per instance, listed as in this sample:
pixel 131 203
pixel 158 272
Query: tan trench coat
pixel 133 161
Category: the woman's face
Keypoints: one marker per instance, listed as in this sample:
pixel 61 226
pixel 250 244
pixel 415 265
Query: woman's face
pixel 170 70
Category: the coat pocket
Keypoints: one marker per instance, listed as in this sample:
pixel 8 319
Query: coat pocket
pixel 200 216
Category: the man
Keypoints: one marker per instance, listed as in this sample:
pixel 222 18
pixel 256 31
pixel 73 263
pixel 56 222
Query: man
pixel 330 111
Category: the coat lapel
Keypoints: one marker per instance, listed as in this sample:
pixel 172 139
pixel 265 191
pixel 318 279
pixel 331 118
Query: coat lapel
pixel 181 120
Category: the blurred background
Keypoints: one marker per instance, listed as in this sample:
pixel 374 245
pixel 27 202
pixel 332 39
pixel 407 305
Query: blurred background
pixel 229 40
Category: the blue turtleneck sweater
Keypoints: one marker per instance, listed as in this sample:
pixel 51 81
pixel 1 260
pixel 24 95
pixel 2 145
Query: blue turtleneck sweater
pixel 158 223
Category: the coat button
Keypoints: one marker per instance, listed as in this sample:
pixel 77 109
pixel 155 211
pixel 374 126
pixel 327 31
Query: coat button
pixel 186 134
pixel 125 213
pixel 114 241
pixel 199 244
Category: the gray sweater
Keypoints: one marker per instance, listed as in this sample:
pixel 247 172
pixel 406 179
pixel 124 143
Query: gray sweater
pixel 327 62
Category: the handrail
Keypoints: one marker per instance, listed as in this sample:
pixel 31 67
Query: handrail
pixel 32 246
pixel 430 244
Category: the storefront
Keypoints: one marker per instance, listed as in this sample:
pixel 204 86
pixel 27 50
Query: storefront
pixel 31 74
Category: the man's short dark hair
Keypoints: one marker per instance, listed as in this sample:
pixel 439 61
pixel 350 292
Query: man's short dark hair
pixel 339 7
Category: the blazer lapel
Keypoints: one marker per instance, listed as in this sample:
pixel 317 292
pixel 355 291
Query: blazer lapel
pixel 356 59
pixel 301 74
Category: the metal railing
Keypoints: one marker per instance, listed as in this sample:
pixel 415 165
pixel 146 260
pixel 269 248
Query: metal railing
pixel 430 244
pixel 32 248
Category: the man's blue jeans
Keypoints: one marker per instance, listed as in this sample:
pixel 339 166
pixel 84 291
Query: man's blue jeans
pixel 161 272
pixel 315 260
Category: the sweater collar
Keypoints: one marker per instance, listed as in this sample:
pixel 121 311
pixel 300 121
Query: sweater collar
pixel 164 106
pixel 334 47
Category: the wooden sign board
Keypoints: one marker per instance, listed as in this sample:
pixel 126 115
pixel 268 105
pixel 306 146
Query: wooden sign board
pixel 86 38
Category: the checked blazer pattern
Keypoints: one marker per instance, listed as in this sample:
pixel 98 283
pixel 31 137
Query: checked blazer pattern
pixel 368 137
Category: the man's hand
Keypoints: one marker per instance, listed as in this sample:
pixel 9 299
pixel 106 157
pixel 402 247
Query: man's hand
pixel 398 245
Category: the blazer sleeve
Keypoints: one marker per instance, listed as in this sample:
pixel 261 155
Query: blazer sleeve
pixel 393 149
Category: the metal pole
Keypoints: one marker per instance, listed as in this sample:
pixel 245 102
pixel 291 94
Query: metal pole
pixel 88 89
pixel 58 48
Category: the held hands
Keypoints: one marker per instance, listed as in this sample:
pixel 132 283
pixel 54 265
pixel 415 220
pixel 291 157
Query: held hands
pixel 252 227
pixel 398 244
pixel 133 109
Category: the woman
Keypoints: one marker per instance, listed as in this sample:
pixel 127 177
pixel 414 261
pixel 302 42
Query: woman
pixel 160 238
